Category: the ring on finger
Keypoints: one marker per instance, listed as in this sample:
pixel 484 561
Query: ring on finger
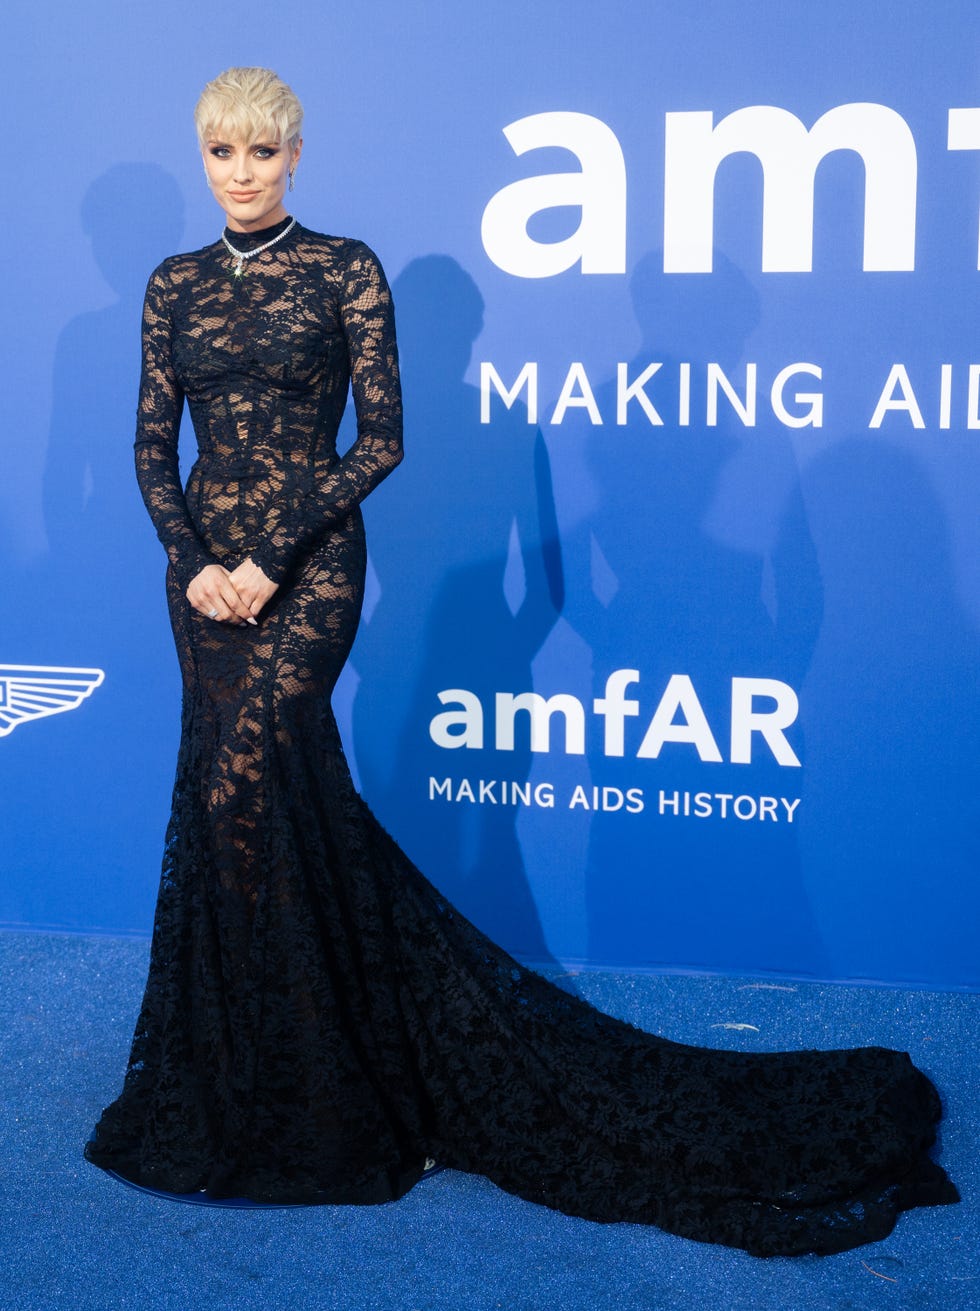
pixel 213 613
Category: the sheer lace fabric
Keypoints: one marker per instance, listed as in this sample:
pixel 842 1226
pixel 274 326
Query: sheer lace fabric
pixel 318 1019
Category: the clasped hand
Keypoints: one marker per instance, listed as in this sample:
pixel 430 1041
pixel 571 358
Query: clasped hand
pixel 234 597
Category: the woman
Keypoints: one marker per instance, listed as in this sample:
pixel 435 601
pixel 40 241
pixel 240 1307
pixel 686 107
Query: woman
pixel 318 1020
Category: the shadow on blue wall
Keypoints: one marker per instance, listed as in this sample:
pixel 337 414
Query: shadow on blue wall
pixel 470 583
pixel 669 596
pixel 92 856
pixel 893 699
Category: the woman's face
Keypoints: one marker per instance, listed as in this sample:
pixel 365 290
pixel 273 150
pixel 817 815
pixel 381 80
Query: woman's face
pixel 249 181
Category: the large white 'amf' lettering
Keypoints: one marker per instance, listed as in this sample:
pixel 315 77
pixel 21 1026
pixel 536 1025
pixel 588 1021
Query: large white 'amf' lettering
pixel 789 155
pixel 695 146
pixel 964 134
pixel 597 190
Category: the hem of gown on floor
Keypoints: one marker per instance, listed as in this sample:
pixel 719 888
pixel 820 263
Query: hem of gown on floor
pixel 386 1186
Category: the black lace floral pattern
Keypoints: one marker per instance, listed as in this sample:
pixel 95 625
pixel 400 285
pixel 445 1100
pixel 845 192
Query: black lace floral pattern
pixel 318 1019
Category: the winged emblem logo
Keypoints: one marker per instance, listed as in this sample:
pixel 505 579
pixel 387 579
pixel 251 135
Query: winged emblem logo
pixel 33 691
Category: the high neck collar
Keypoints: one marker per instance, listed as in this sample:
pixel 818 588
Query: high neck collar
pixel 249 240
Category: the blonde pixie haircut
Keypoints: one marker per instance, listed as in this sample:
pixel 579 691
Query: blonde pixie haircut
pixel 247 104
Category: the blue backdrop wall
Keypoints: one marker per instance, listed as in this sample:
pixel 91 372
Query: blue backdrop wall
pixel 671 644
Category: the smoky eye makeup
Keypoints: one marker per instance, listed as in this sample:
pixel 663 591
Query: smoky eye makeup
pixel 222 150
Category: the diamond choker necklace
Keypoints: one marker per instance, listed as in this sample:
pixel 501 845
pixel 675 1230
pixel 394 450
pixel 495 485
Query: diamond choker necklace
pixel 240 256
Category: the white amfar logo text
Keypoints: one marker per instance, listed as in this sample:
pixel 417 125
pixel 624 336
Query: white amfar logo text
pixel 33 691
pixel 679 717
pixel 695 147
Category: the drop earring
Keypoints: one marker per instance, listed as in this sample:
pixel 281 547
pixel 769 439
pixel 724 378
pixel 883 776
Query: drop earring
pixel 291 172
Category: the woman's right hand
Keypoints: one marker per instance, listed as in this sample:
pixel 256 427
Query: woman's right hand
pixel 213 594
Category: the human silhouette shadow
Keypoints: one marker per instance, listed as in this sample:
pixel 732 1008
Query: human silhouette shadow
pixel 133 215
pixel 892 844
pixel 670 595
pixel 102 578
pixel 467 563
pixel 890 819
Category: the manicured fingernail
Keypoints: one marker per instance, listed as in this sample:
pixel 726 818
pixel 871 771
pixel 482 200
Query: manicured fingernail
pixel 253 621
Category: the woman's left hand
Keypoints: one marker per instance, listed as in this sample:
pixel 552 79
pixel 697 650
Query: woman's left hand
pixel 252 586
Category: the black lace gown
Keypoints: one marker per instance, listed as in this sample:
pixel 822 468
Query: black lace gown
pixel 318 1019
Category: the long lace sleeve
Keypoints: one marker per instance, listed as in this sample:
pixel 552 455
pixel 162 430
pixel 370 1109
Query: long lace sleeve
pixel 367 317
pixel 161 400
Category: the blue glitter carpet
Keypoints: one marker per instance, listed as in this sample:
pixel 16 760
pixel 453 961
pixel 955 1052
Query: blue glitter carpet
pixel 72 1237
